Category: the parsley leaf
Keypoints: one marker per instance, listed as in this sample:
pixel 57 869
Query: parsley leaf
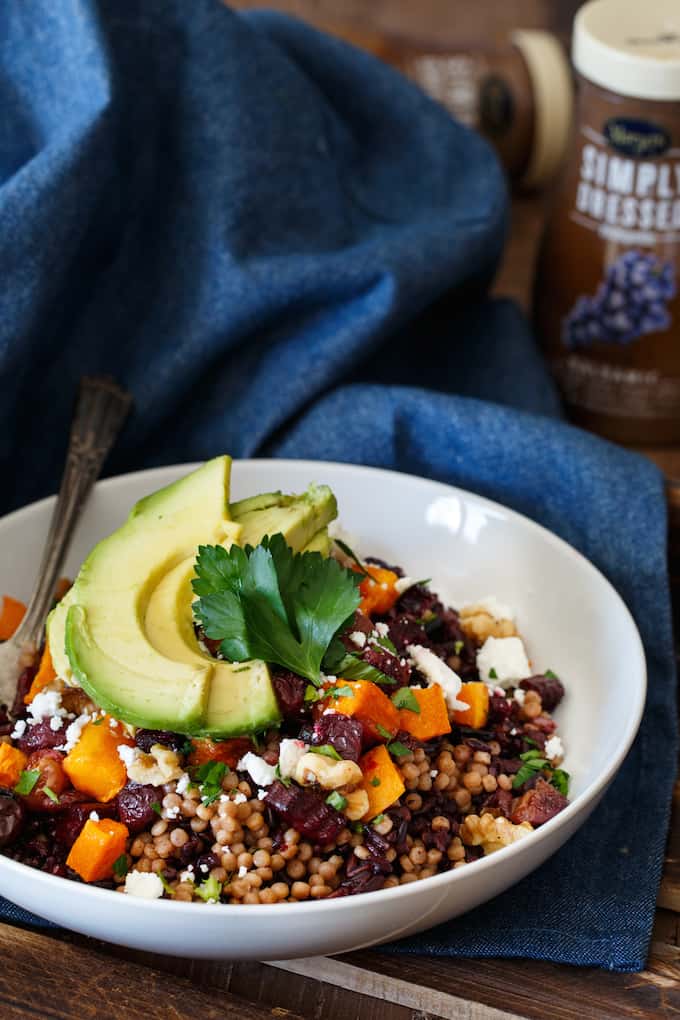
pixel 493 675
pixel 312 694
pixel 273 604
pixel 49 792
pixel 384 733
pixel 338 662
pixel 375 781
pixel 458 647
pixel 210 776
pixel 385 643
pixel 342 692
pixel 209 890
pixel 398 749
pixel 549 673
pixel 336 800
pixel 533 762
pixel 27 781
pixel 327 750
pixel 157 808
pixel 405 698
pixel 120 866
pixel 560 780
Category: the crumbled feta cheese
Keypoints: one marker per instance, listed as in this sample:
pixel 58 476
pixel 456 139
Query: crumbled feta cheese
pixel 382 629
pixel 239 798
pixel 45 705
pixel 242 871
pixel 404 583
pixel 186 876
pixel 491 605
pixel 183 783
pixel 358 638
pixel 434 773
pixel 19 729
pixel 145 884
pixel 553 748
pixel 55 723
pixel 259 770
pixel 290 752
pixel 73 732
pixel 128 755
pixel 171 812
pixel 112 722
pixel 261 794
pixel 519 695
pixel 436 671
pixel 94 817
pixel 506 658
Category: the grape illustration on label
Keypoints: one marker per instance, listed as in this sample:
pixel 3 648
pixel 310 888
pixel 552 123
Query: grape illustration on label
pixel 631 301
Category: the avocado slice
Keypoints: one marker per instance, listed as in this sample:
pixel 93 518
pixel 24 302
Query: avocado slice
pixel 321 543
pixel 125 629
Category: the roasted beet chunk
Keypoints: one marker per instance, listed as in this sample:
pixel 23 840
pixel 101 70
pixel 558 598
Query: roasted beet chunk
pixel 305 811
pixel 388 664
pixel 549 687
pixel 145 739
pixel 361 624
pixel 539 805
pixel 342 731
pixel 41 735
pixel 135 805
pixel 12 815
pixel 290 693
pixel 70 823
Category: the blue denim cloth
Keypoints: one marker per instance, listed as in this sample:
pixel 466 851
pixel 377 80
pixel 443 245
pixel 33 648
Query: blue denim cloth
pixel 282 247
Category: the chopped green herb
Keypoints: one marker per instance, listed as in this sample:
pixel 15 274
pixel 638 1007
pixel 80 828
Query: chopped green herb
pixel 350 667
pixel 405 698
pixel 560 780
pixel 120 866
pixel 187 747
pixel 385 643
pixel 493 675
pixel 166 885
pixel 383 732
pixel 336 800
pixel 49 792
pixel 357 827
pixel 210 776
pixel 286 780
pixel 458 647
pixel 326 749
pixel 312 694
pixel 422 583
pixel 533 762
pixel 210 890
pixel 98 721
pixel 352 556
pixel 342 692
pixel 157 808
pixel 398 749
pixel 273 604
pixel 27 781
pixel 375 781
pixel 549 673
pixel 378 819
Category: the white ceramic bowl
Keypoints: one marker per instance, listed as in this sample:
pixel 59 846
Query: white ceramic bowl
pixel 572 620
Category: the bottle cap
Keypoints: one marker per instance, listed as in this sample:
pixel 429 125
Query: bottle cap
pixel 550 76
pixel 631 47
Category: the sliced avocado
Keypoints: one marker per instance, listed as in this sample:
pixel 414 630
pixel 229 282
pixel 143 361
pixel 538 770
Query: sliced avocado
pixel 153 702
pixel 125 629
pixel 242 698
pixel 321 543
pixel 298 518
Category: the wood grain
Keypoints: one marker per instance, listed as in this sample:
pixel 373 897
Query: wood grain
pixel 50 979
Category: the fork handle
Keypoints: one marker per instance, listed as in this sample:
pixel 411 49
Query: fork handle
pixel 100 411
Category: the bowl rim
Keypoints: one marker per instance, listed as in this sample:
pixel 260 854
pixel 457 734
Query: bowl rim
pixel 580 803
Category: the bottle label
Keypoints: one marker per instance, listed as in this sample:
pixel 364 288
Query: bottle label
pixel 630 301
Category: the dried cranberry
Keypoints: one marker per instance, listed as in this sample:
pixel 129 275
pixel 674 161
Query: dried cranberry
pixel 400 818
pixel 12 817
pixel 71 821
pixel 550 688
pixel 539 805
pixel 306 811
pixel 362 881
pixel 41 735
pixel 205 864
pixel 192 849
pixel 341 731
pixel 391 665
pixel 290 693
pixel 501 708
pixel 500 800
pixel 145 739
pixel 135 805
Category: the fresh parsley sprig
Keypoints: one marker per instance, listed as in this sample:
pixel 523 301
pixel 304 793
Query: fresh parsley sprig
pixel 533 763
pixel 273 604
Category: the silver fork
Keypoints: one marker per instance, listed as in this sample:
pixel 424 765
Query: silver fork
pixel 100 410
